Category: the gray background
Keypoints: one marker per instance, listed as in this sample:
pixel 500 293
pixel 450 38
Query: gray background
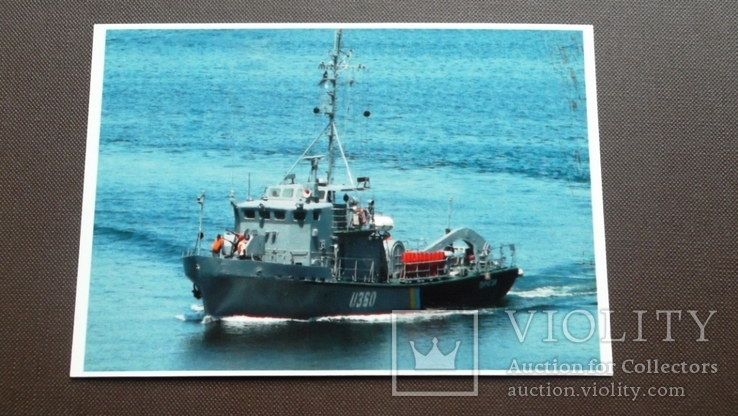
pixel 667 96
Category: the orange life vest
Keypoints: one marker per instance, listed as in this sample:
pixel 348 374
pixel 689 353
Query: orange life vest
pixel 217 245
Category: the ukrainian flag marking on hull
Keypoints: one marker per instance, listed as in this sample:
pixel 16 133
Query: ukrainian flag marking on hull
pixel 415 298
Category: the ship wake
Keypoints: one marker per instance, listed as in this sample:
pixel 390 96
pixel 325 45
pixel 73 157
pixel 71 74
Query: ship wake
pixel 551 291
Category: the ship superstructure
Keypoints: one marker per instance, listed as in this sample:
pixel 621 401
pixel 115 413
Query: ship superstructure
pixel 310 248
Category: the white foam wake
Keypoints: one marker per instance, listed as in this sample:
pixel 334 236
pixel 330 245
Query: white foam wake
pixel 198 315
pixel 404 316
pixel 253 320
pixel 549 292
pixel 191 316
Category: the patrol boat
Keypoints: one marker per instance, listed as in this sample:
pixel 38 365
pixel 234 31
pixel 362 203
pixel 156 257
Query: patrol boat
pixel 309 249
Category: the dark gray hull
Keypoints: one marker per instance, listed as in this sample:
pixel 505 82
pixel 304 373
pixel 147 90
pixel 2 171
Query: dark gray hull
pixel 261 289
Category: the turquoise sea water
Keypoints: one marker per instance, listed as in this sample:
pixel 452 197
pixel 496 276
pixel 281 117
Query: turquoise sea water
pixel 494 119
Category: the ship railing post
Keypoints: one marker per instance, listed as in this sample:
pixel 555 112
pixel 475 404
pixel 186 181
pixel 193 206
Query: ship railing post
pixel 512 255
pixel 201 202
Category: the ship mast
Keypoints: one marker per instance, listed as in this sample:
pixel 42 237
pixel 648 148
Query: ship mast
pixel 332 133
pixel 330 80
pixel 338 63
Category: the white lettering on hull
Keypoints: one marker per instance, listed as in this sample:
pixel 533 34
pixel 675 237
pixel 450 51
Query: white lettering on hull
pixel 487 283
pixel 363 299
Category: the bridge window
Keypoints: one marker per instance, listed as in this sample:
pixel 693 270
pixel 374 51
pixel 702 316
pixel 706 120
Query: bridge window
pixel 249 213
pixel 300 215
pixel 280 215
pixel 288 192
pixel 316 214
pixel 273 192
pixel 264 214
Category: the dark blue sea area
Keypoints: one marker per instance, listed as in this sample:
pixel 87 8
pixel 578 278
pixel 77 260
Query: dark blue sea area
pixel 495 120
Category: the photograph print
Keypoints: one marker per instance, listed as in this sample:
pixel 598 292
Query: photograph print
pixel 353 200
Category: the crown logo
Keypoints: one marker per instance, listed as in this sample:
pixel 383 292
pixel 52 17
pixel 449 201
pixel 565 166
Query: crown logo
pixel 435 360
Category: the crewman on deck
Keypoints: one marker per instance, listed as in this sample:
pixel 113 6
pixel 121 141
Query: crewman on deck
pixel 359 216
pixel 217 245
pixel 241 247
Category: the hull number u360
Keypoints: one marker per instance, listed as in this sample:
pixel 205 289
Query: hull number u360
pixel 362 299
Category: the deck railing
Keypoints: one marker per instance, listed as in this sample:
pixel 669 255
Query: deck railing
pixel 357 269
pixel 421 265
